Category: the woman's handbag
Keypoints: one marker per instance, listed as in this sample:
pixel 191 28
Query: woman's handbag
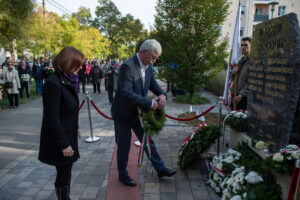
pixel 8 84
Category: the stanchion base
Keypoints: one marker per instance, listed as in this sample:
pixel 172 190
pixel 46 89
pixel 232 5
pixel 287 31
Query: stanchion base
pixel 92 139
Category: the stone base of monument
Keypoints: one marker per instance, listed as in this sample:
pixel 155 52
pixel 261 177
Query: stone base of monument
pixel 233 137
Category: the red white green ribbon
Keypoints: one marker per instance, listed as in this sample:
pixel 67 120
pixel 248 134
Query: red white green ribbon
pixel 288 149
pixel 189 137
pixel 216 169
pixel 145 147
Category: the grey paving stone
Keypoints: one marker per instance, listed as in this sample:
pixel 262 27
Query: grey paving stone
pixel 42 195
pixel 184 196
pixel 201 195
pixel 167 196
pixel 151 188
pixel 152 196
pixel 167 186
pixel 182 186
pixel 90 192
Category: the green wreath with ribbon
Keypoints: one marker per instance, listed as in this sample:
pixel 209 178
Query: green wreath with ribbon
pixel 153 120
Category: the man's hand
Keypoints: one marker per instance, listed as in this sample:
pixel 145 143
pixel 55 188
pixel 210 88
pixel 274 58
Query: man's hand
pixel 161 101
pixel 68 152
pixel 154 104
pixel 237 99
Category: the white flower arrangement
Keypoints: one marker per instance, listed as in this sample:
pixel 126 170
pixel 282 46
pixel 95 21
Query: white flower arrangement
pixel 278 157
pixel 295 155
pixel 260 145
pixel 232 186
pixel 253 178
pixel 236 197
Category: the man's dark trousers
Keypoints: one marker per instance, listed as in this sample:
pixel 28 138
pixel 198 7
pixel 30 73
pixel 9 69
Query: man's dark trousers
pixel 123 133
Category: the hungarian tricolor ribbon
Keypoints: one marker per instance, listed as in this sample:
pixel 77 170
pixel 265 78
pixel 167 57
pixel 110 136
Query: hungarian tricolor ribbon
pixel 195 132
pixel 216 169
pixel 145 147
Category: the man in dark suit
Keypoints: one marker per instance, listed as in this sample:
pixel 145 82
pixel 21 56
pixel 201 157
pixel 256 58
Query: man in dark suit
pixel 135 79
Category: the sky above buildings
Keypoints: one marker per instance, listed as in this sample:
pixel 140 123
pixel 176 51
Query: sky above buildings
pixel 140 9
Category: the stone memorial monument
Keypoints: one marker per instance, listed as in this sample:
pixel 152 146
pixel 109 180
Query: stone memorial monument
pixel 274 81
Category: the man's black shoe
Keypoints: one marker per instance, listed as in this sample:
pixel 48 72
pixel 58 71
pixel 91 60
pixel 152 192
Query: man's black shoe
pixel 166 172
pixel 127 181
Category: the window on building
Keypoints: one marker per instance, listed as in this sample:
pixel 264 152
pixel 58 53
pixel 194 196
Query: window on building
pixel 220 30
pixel 281 10
pixel 258 11
pixel 243 10
pixel 242 31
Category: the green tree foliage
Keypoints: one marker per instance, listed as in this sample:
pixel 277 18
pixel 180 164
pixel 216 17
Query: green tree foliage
pixel 61 32
pixel 189 34
pixel 83 16
pixel 123 32
pixel 13 19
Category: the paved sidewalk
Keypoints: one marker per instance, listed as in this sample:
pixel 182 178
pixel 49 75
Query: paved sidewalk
pixel 23 177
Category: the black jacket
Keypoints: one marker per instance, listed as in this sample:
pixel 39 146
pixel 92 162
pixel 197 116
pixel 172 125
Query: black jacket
pixel 82 74
pixel 60 121
pixel 38 72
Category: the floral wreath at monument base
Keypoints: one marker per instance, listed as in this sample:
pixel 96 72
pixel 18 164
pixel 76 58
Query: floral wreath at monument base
pixel 197 143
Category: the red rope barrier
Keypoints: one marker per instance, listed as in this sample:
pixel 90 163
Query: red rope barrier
pixel 180 119
pixel 83 101
pixel 101 113
pixel 293 184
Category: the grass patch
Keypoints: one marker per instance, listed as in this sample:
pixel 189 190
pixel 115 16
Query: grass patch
pixel 185 99
pixel 4 104
pixel 217 84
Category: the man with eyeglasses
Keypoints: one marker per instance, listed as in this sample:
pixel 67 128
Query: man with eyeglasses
pixel 242 73
pixel 135 79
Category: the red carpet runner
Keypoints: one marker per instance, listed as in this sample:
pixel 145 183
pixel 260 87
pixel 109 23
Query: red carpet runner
pixel 117 190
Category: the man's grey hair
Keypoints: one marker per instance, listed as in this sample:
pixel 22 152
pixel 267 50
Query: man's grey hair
pixel 151 45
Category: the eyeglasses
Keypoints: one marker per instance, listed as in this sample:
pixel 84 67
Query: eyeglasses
pixel 244 45
pixel 154 57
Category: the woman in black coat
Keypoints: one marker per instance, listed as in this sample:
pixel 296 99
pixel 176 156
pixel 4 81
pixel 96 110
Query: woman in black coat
pixel 60 131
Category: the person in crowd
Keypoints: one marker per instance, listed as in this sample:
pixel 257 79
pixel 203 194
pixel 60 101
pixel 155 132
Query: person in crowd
pixel 60 130
pixel 112 83
pixel 38 75
pixel 82 78
pixel 96 76
pixel 242 76
pixel 135 79
pixel 6 63
pixel 105 69
pixel 49 63
pixel 24 74
pixel 42 61
pixel 87 70
pixel 12 82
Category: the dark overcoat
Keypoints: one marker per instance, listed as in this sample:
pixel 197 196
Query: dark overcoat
pixel 60 121
pixel 132 93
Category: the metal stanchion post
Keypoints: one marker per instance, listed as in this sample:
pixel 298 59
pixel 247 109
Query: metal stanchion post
pixel 219 122
pixel 92 138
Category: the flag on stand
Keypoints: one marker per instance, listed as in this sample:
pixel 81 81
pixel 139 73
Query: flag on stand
pixel 234 59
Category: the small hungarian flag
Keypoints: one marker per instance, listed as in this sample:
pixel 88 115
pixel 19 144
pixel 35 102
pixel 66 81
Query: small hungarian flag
pixel 234 59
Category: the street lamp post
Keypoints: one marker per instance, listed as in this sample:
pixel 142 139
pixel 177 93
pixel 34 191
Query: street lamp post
pixel 272 4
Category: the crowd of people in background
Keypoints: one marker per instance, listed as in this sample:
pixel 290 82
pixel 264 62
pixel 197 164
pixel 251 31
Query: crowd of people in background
pixel 17 78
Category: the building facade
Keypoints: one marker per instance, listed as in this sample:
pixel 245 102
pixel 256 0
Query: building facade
pixel 254 12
